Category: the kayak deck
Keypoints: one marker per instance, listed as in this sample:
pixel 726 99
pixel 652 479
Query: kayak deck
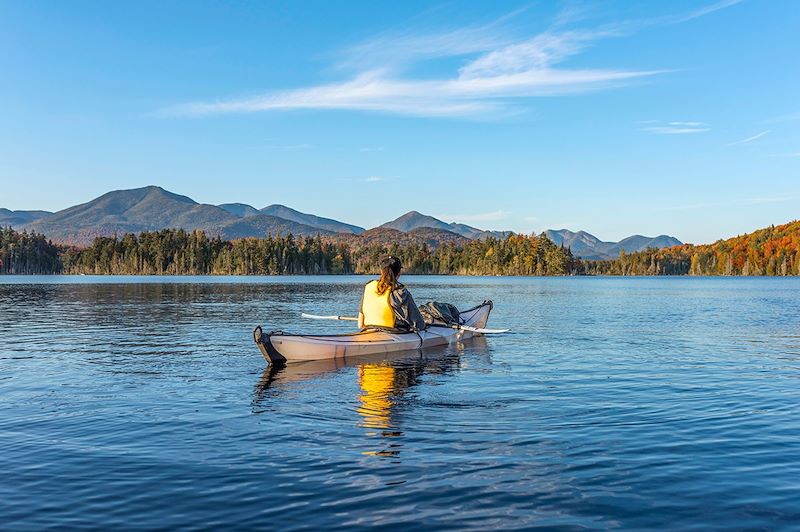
pixel 279 347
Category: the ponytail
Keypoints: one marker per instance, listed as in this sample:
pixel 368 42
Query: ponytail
pixel 390 269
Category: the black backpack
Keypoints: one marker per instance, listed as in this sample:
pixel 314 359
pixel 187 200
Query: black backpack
pixel 435 312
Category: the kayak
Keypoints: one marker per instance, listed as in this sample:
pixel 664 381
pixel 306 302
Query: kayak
pixel 279 347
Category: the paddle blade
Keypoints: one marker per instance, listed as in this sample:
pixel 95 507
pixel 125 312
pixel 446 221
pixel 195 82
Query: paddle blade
pixel 483 331
pixel 317 317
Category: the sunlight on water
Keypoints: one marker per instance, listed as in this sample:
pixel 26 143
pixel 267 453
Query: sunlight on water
pixel 612 403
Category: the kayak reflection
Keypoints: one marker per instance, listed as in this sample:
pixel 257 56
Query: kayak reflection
pixel 383 383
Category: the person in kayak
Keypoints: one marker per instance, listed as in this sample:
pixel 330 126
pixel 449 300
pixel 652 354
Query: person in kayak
pixel 387 303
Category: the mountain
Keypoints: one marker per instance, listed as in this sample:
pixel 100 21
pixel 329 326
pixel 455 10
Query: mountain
pixel 241 210
pixel 588 246
pixel 264 225
pixel 279 219
pixel 387 236
pixel 639 243
pixel 414 220
pixel 581 243
pixel 773 250
pixel 477 234
pixel 140 209
pixel 152 208
pixel 17 218
pixel 326 224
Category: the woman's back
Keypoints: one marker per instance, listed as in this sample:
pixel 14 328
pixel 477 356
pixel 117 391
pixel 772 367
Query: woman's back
pixel 387 303
pixel 376 307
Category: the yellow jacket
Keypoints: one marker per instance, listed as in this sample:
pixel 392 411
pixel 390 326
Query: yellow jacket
pixel 376 308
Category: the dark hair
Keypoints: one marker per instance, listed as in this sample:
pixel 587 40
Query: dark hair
pixel 390 269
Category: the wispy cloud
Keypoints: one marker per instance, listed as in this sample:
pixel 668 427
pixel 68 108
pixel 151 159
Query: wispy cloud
pixel 473 92
pixel 374 179
pixel 367 150
pixel 491 216
pixel 706 10
pixel 503 71
pixel 675 128
pixel 750 139
pixel 792 154
pixel 397 50
pixel 499 70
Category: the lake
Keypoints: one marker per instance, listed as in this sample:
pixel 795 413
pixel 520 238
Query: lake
pixel 142 402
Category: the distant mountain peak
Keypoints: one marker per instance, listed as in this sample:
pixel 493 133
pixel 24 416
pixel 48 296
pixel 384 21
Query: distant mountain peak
pixel 587 246
pixel 155 190
pixel 414 220
pixel 325 224
pixel 19 218
pixel 240 209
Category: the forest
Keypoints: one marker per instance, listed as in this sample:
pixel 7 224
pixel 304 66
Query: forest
pixel 192 253
pixel 178 252
pixel 27 253
pixel 771 251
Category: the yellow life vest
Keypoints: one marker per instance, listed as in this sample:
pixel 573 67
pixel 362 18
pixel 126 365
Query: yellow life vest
pixel 376 308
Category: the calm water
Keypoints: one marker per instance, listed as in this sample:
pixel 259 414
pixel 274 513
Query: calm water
pixel 631 403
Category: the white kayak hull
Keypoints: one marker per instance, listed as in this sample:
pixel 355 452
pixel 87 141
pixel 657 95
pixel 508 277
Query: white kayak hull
pixel 278 347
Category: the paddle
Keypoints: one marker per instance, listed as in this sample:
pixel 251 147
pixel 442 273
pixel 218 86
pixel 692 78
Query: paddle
pixel 464 327
pixel 315 317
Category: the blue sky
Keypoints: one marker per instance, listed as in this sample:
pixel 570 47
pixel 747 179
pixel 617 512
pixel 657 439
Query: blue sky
pixel 677 117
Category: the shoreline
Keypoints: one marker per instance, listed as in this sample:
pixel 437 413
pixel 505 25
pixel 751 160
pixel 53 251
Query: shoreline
pixel 405 275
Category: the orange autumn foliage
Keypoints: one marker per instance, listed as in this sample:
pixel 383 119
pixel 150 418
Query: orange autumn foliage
pixel 774 250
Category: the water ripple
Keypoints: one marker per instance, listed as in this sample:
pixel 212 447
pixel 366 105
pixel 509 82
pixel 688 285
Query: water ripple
pixel 635 403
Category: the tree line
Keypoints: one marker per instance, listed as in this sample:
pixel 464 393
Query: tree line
pixel 771 251
pixel 179 252
pixel 27 253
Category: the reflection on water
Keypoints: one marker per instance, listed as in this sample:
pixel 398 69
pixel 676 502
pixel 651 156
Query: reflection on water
pixel 382 380
pixel 379 390
pixel 634 403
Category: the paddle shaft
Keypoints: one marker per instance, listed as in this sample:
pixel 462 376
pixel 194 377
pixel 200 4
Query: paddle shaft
pixel 316 317
pixel 464 327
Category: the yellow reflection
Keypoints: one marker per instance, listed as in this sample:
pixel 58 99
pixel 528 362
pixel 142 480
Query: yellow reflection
pixel 377 384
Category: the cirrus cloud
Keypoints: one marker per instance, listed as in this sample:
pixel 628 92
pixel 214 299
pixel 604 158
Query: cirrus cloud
pixel 675 128
pixel 498 71
pixel 750 139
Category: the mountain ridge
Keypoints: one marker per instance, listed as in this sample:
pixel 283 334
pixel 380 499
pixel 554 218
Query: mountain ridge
pixel 587 246
pixel 415 219
pixel 329 224
pixel 9 217
pixel 241 210
pixel 152 208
